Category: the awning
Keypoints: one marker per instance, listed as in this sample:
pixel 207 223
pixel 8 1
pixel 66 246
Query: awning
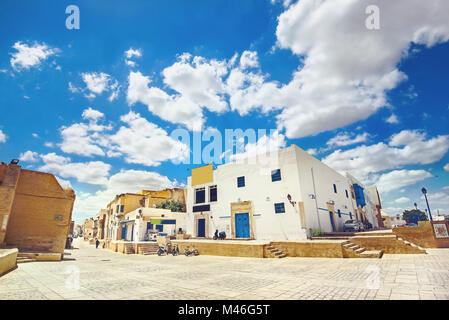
pixel 126 221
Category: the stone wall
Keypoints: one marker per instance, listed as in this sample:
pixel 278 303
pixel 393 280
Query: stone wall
pixel 316 248
pixel 221 248
pixel 41 212
pixel 423 235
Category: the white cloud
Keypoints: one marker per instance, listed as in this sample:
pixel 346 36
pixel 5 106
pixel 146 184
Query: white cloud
pixel 2 137
pixel 30 56
pixel 249 59
pixel 64 183
pixel 446 167
pixel 92 114
pixel 35 135
pixel 345 139
pixel 97 83
pixel 133 53
pixel 29 156
pixel 140 141
pixel 124 181
pixel 49 144
pixel 335 86
pixel 145 143
pixel 392 119
pixel 130 53
pixel 402 200
pixel 406 147
pixel 400 178
pixel 85 139
pixel 265 144
pixel 94 172
pixel 439 198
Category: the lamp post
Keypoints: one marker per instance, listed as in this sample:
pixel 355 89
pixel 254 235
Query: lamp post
pixel 424 191
pixel 416 206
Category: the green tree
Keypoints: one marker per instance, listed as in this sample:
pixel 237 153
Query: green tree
pixel 173 205
pixel 413 216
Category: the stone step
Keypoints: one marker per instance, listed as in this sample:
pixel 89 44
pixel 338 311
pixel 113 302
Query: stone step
pixel 25 260
pixel 360 250
pixel 371 254
pixel 281 256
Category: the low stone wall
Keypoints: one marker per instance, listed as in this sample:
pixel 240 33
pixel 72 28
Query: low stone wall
pixel 8 260
pixel 423 235
pixel 315 248
pixel 42 256
pixel 388 244
pixel 223 248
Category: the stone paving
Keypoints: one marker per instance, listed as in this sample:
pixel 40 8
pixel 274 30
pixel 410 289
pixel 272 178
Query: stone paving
pixel 89 273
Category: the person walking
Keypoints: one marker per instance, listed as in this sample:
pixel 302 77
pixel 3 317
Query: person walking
pixel 97 243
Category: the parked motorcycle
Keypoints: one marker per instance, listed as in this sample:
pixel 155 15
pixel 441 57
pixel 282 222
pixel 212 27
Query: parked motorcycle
pixel 175 250
pixel 221 235
pixel 188 252
pixel 163 250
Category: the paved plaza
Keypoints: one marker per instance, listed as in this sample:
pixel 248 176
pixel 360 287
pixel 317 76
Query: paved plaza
pixel 89 273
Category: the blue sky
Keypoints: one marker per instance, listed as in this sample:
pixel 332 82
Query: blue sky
pixel 96 106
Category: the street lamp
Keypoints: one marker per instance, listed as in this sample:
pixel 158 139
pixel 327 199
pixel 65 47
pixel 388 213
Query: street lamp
pixel 416 206
pixel 424 191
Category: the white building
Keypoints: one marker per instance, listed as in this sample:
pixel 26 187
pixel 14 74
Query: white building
pixel 367 202
pixel 142 222
pixel 280 195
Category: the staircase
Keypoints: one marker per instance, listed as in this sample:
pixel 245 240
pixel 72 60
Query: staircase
pixel 148 249
pixel 352 250
pixel 129 248
pixel 421 250
pixel 21 258
pixel 275 252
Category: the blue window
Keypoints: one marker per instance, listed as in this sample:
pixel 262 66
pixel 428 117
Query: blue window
pixel 200 195
pixel 276 175
pixel 335 188
pixel 347 196
pixel 339 213
pixel 240 182
pixel 122 208
pixel 350 215
pixel 279 207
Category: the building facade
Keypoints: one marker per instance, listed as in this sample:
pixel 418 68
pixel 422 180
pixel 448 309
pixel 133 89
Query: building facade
pixel 277 196
pixel 35 211
pixel 116 214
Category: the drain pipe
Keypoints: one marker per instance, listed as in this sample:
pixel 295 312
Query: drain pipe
pixel 316 201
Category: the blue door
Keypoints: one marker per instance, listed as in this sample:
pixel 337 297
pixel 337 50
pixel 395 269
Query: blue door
pixel 241 225
pixel 201 227
pixel 124 231
pixel 331 215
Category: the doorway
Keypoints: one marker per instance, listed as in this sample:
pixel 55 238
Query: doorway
pixel 201 228
pixel 242 225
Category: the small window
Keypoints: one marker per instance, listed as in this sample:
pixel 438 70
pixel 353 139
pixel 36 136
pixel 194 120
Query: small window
pixel 117 208
pixel 122 208
pixel 335 188
pixel 279 207
pixel 240 182
pixel 347 195
pixel 350 215
pixel 200 195
pixel 339 213
pixel 212 193
pixel 276 175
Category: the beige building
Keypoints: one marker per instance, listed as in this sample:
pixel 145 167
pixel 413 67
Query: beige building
pixel 35 211
pixel 109 222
